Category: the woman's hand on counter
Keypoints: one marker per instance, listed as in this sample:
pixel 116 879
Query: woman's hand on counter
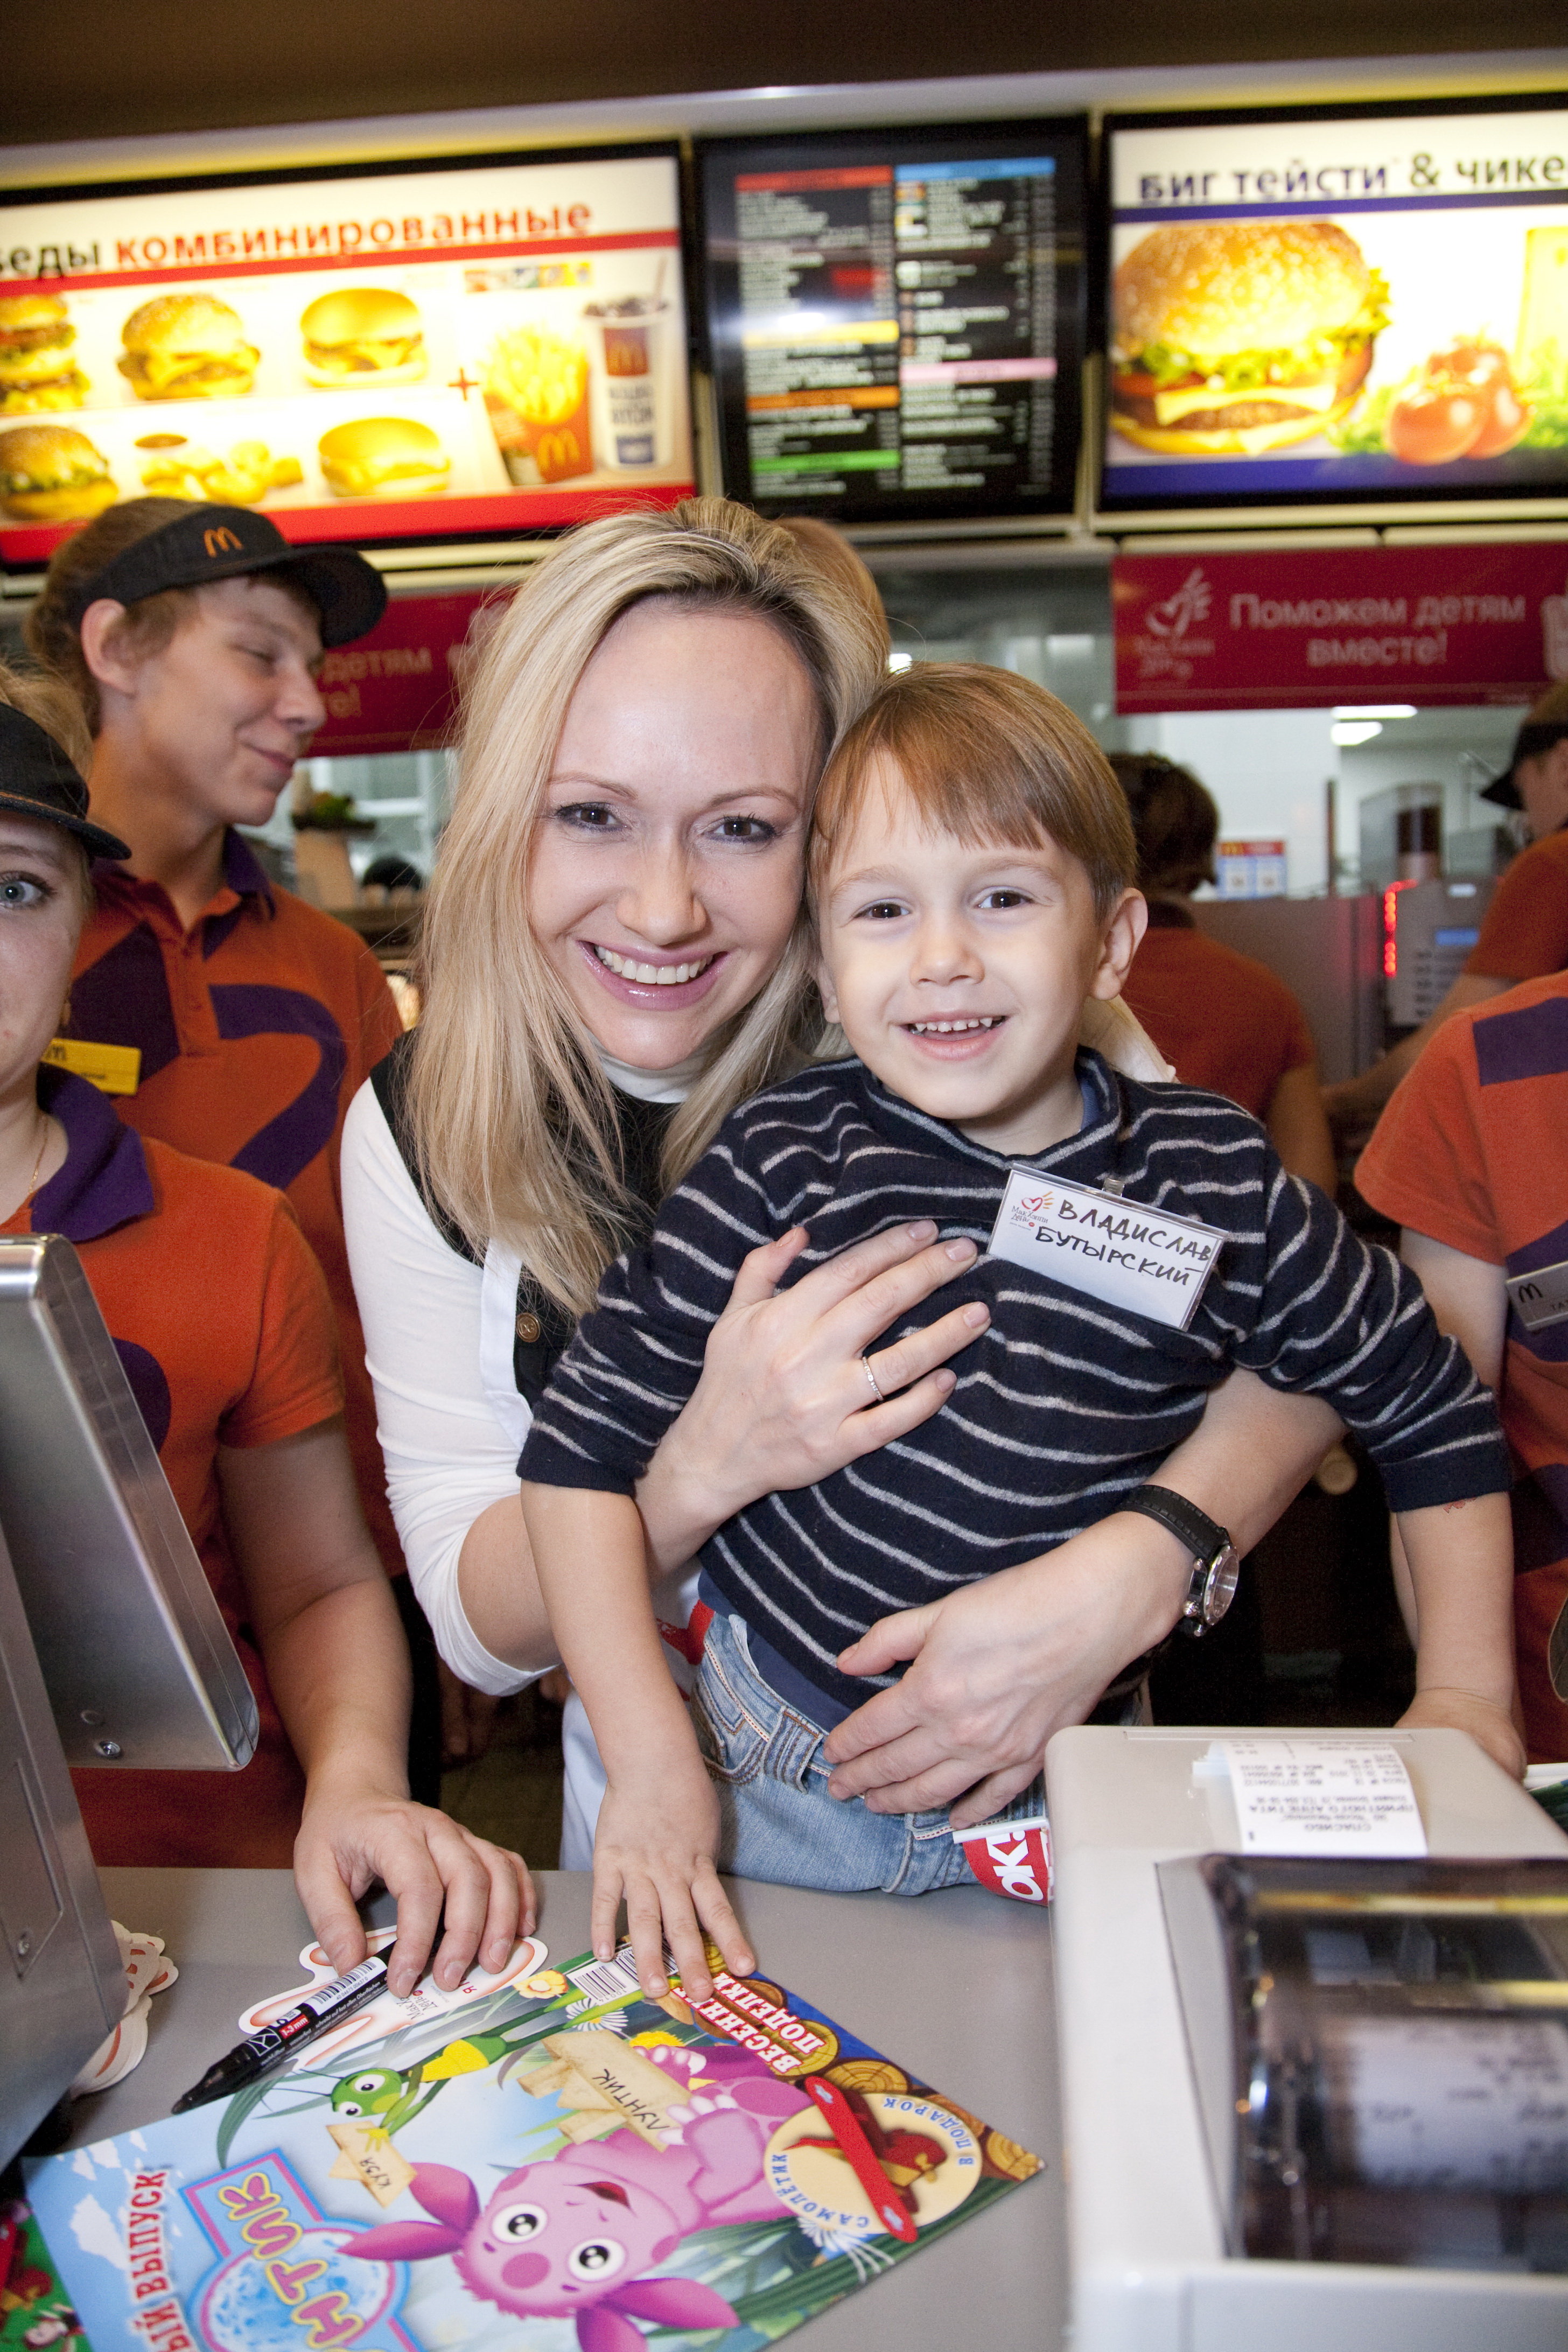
pixel 353 1836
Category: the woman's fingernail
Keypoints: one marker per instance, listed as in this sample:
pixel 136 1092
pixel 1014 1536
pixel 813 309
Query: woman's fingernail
pixel 946 1379
pixel 922 1230
pixel 976 1316
pixel 959 1251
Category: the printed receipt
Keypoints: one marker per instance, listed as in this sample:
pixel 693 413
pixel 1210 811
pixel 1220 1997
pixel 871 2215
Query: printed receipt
pixel 1328 1797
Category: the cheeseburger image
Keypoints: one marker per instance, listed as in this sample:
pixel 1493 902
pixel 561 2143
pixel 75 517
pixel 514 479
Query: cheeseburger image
pixel 186 347
pixel 37 368
pixel 383 457
pixel 362 331
pixel 1229 338
pixel 52 473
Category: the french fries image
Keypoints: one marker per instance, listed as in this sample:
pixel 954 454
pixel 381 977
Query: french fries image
pixel 536 391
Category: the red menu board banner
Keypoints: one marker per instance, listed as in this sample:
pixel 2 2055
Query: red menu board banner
pixel 1283 629
pixel 395 689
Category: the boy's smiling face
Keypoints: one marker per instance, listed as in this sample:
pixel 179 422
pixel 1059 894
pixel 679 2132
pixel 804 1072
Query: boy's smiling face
pixel 959 972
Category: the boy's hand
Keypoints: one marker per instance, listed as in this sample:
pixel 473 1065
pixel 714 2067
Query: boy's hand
pixel 654 1845
pixel 1488 1725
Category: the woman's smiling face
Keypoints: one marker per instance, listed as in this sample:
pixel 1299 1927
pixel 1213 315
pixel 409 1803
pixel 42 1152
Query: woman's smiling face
pixel 667 868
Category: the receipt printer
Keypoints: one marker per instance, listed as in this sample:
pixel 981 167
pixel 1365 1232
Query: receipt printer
pixel 1312 2099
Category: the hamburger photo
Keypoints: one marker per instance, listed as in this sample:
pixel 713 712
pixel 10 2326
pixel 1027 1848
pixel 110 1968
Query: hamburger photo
pixel 187 347
pixel 383 457
pixel 358 332
pixel 37 367
pixel 52 473
pixel 1230 338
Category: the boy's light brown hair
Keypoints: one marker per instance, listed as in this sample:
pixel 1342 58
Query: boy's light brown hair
pixel 988 757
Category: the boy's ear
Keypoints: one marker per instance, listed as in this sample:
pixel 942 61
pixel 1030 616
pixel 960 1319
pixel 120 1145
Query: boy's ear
pixel 829 994
pixel 1119 944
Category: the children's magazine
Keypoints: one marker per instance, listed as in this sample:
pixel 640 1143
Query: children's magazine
pixel 545 2162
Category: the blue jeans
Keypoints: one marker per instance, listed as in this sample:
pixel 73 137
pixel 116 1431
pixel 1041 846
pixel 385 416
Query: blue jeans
pixel 779 1822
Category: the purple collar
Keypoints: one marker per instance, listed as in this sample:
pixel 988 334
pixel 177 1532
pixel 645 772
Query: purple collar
pixel 243 870
pixel 104 1182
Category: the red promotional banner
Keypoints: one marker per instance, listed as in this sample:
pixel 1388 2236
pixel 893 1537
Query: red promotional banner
pixel 1277 629
pixel 395 689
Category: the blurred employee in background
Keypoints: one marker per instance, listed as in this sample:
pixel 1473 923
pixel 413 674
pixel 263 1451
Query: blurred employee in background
pixel 191 635
pixel 1525 933
pixel 220 1317
pixel 1471 1159
pixel 1225 1021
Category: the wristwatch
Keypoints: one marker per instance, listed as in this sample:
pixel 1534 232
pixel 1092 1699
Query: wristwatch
pixel 1212 1586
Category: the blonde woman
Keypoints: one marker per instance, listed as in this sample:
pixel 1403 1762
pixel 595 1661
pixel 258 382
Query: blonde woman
pixel 616 956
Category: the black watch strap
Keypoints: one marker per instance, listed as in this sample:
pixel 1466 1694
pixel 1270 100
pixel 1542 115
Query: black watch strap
pixel 1204 1537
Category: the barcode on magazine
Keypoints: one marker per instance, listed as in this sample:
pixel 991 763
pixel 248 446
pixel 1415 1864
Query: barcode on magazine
pixel 613 1979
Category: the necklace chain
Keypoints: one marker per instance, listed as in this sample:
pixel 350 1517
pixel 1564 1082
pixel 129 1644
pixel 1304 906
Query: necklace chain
pixel 33 1178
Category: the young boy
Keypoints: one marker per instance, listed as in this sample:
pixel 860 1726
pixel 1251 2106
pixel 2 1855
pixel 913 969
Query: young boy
pixel 969 875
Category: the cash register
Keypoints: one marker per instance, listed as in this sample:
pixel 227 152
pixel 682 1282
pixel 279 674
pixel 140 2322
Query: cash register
pixel 1312 2099
pixel 113 1655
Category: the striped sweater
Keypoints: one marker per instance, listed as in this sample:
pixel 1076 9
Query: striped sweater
pixel 1062 1406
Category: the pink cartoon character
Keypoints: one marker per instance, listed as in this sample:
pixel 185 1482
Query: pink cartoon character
pixel 575 2236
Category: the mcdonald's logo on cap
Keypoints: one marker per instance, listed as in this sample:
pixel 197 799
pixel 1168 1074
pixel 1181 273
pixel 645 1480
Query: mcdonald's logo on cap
pixel 221 541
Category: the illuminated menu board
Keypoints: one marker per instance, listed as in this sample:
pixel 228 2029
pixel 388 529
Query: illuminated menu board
pixel 1367 305
pixel 484 348
pixel 895 319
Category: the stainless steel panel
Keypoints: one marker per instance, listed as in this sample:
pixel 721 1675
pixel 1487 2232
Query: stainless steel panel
pixel 1330 951
pixel 62 1988
pixel 135 1656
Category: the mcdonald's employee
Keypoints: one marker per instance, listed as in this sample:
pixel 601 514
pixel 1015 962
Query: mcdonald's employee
pixel 243 1022
pixel 221 1319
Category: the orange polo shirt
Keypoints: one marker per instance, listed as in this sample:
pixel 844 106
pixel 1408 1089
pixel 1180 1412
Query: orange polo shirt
pixel 1472 1150
pixel 256 1027
pixel 219 1313
pixel 1524 934
pixel 1225 1021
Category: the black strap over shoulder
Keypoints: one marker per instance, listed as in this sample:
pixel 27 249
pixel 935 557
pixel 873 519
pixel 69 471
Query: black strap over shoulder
pixel 389 1080
pixel 541 1327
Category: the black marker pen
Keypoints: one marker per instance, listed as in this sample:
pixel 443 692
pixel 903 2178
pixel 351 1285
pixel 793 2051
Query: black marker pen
pixel 259 2052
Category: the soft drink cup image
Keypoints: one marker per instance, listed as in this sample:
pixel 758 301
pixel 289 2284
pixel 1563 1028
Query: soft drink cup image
pixel 633 399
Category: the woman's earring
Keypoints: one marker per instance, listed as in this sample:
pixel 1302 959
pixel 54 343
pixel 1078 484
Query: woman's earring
pixel 65 1013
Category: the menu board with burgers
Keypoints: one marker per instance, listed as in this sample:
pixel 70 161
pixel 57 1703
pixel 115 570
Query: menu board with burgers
pixel 1369 304
pixel 896 318
pixel 493 346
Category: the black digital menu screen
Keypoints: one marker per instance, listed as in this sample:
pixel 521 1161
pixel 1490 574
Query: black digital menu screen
pixel 896 318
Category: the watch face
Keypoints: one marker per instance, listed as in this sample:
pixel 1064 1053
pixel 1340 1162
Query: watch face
pixel 1219 1588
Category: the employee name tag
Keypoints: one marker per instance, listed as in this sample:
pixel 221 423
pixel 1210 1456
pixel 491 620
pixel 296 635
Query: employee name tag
pixel 113 1069
pixel 1541 1297
pixel 1107 1247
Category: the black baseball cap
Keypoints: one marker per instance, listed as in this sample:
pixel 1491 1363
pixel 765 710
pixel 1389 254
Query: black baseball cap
pixel 36 779
pixel 211 542
pixel 1545 723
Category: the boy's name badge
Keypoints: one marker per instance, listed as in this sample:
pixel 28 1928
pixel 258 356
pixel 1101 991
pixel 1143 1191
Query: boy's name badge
pixel 1108 1248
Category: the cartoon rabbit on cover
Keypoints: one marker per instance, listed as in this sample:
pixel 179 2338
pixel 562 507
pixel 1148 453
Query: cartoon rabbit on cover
pixel 573 2236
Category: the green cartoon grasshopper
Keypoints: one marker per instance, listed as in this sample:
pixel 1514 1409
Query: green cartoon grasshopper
pixel 383 2099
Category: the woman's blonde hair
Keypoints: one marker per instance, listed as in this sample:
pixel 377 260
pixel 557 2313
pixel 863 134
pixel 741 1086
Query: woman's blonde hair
pixel 512 1118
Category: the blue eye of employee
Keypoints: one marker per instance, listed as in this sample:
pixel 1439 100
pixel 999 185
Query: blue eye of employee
pixel 24 890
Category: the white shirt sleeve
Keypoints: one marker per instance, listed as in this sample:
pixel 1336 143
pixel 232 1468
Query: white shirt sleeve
pixel 438 1347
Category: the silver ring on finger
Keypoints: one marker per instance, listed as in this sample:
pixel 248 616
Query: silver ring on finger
pixel 870 1375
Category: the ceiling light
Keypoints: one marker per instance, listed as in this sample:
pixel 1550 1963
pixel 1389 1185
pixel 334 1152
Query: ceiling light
pixel 1354 731
pixel 1374 710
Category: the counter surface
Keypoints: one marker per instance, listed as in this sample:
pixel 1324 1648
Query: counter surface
pixel 957 1987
